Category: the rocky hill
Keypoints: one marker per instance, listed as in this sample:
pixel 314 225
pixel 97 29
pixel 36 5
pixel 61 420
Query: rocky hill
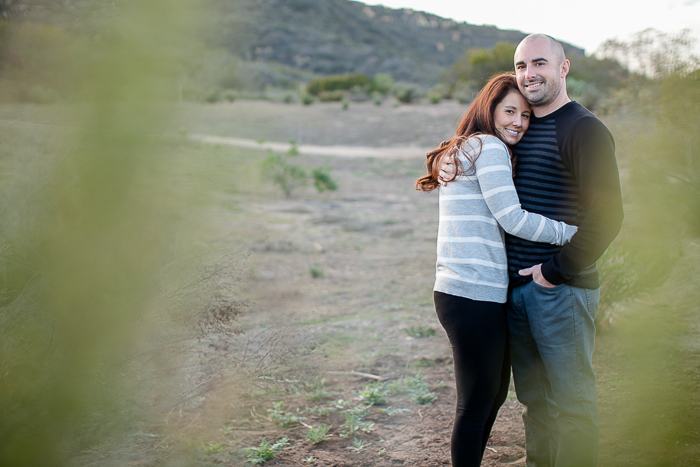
pixel 340 36
pixel 321 37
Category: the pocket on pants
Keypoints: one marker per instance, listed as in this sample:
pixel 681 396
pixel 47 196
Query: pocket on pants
pixel 542 288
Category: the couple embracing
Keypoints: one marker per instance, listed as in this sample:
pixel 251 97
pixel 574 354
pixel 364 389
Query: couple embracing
pixel 529 200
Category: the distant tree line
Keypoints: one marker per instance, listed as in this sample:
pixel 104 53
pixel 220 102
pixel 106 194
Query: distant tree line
pixel 589 80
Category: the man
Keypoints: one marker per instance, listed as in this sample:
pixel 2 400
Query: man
pixel 566 170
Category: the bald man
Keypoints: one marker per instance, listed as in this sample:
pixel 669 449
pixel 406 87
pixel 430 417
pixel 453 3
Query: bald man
pixel 566 170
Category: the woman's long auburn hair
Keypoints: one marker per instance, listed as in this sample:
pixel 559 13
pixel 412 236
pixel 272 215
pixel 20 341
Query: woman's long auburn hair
pixel 478 120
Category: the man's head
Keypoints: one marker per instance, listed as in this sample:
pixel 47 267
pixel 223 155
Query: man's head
pixel 541 68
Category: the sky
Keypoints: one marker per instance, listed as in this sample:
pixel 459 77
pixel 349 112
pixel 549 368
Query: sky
pixel 585 24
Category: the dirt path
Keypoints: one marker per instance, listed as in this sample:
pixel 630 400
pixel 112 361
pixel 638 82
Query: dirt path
pixel 394 152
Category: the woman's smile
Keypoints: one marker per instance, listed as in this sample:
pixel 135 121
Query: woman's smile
pixel 511 117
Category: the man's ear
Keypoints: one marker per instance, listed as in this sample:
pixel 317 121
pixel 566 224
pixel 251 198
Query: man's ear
pixel 565 68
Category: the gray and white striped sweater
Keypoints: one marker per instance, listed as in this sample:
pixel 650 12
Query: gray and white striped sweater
pixel 474 212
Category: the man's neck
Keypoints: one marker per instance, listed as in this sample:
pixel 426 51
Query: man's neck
pixel 558 103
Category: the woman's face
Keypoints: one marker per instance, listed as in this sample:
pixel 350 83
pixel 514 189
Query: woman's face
pixel 511 117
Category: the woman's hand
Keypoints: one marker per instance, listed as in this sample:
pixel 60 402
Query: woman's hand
pixel 448 169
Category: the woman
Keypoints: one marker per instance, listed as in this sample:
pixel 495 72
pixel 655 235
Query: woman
pixel 471 284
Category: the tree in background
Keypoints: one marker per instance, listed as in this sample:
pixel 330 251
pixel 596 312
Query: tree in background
pixel 471 71
pixel 653 53
pixel 590 80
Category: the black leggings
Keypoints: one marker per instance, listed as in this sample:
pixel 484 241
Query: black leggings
pixel 478 335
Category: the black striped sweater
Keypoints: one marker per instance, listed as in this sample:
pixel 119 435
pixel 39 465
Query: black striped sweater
pixel 566 170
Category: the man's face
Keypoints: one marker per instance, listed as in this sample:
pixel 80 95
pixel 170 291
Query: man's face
pixel 538 71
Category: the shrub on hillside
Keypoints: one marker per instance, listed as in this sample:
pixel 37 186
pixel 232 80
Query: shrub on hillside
pixel 331 96
pixel 38 62
pixel 339 83
pixel 407 93
pixel 382 83
pixel 307 99
pixel 477 65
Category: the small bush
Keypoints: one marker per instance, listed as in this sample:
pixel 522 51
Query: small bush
pixel 339 83
pixel 288 177
pixel 407 93
pixel 307 99
pixel 318 394
pixel 212 96
pixel 382 83
pixel 323 180
pixel 230 95
pixel 434 98
pixel 358 446
pixel 392 411
pixel 415 387
pixel 346 104
pixel 331 96
pixel 316 435
pixel 321 410
pixel 372 394
pixel 353 425
pixel 316 272
pixel 266 451
pixel 293 148
pixel 358 410
pixel 464 93
pixel 282 417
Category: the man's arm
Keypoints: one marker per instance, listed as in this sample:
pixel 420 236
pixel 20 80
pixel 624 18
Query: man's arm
pixel 590 154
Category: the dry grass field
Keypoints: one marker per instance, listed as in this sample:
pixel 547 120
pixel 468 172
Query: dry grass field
pixel 340 309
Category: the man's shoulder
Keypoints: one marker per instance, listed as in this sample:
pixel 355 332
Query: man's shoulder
pixel 577 121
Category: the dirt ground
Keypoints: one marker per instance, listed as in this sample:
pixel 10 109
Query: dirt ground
pixel 373 242
pixel 354 269
pixel 350 272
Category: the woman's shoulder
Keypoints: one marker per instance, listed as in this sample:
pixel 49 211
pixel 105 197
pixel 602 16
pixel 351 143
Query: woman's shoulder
pixel 480 144
pixel 493 141
pixel 494 152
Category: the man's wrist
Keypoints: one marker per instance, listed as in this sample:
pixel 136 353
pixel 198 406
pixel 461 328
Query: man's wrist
pixel 550 274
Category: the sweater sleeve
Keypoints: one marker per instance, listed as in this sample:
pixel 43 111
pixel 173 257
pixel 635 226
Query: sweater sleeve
pixel 495 176
pixel 589 153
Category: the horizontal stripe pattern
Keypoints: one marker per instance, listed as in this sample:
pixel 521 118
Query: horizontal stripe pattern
pixel 474 211
pixel 545 186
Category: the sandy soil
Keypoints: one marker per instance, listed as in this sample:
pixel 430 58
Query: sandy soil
pixel 374 241
pixel 355 268
pixel 350 271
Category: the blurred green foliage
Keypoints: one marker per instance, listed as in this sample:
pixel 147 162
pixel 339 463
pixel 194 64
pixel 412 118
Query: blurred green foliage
pixel 86 245
pixel 339 83
pixel 590 79
pixel 477 65
pixel 649 295
pixel 356 86
pixel 290 177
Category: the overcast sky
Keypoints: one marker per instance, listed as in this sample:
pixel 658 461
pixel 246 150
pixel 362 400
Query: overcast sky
pixel 585 24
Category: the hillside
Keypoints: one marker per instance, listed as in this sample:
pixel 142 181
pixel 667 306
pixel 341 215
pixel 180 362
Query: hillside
pixel 319 37
pixel 340 36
